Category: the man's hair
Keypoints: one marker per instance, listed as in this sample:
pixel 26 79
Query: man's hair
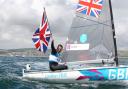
pixel 60 45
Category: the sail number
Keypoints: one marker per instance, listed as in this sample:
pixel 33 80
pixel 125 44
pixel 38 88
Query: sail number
pixel 118 74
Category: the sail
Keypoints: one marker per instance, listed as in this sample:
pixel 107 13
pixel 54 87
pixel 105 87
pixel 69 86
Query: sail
pixel 41 36
pixel 91 35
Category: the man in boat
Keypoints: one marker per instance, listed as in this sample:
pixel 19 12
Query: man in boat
pixel 55 62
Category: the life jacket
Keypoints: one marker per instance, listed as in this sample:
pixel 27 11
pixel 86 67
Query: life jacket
pixel 54 58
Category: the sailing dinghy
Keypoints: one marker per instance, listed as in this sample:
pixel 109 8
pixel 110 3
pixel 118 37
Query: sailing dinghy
pixel 93 42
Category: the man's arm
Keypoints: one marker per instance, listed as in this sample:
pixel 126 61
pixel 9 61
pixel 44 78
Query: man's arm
pixel 53 50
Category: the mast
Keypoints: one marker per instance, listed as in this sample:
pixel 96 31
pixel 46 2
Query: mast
pixel 114 38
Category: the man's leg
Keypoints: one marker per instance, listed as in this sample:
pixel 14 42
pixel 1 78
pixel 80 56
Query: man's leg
pixel 59 67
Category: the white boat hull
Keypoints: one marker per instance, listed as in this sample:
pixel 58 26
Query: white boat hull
pixel 85 75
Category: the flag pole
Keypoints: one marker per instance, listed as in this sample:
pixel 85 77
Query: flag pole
pixel 47 21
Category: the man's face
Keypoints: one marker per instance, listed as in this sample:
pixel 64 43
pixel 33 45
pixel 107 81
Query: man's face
pixel 59 48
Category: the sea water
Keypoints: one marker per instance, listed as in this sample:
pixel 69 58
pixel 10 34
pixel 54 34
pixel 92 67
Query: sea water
pixel 11 72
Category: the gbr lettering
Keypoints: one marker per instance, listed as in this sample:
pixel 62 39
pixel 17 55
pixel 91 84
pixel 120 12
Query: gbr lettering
pixel 118 74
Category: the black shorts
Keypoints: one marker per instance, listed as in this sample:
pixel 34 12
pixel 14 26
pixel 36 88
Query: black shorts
pixel 55 66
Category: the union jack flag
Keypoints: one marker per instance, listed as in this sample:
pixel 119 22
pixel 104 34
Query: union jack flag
pixel 90 7
pixel 41 36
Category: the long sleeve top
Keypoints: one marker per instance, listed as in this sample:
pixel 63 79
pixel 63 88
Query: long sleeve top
pixel 53 50
pixel 54 57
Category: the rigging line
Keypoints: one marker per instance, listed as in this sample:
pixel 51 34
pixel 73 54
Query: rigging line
pixel 84 26
pixel 100 42
pixel 102 39
pixel 106 39
pixel 102 35
pixel 108 42
pixel 93 20
pixel 89 29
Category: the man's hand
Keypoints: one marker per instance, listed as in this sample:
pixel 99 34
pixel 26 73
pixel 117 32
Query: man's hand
pixel 63 63
pixel 52 37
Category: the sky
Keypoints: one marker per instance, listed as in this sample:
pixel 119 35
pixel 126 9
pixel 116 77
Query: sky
pixel 20 18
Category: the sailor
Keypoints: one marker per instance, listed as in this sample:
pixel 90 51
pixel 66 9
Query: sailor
pixel 55 62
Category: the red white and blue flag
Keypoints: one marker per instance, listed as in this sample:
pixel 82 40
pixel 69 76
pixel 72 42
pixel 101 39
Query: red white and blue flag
pixel 41 36
pixel 90 7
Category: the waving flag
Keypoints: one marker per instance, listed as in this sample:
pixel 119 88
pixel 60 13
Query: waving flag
pixel 90 7
pixel 41 36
